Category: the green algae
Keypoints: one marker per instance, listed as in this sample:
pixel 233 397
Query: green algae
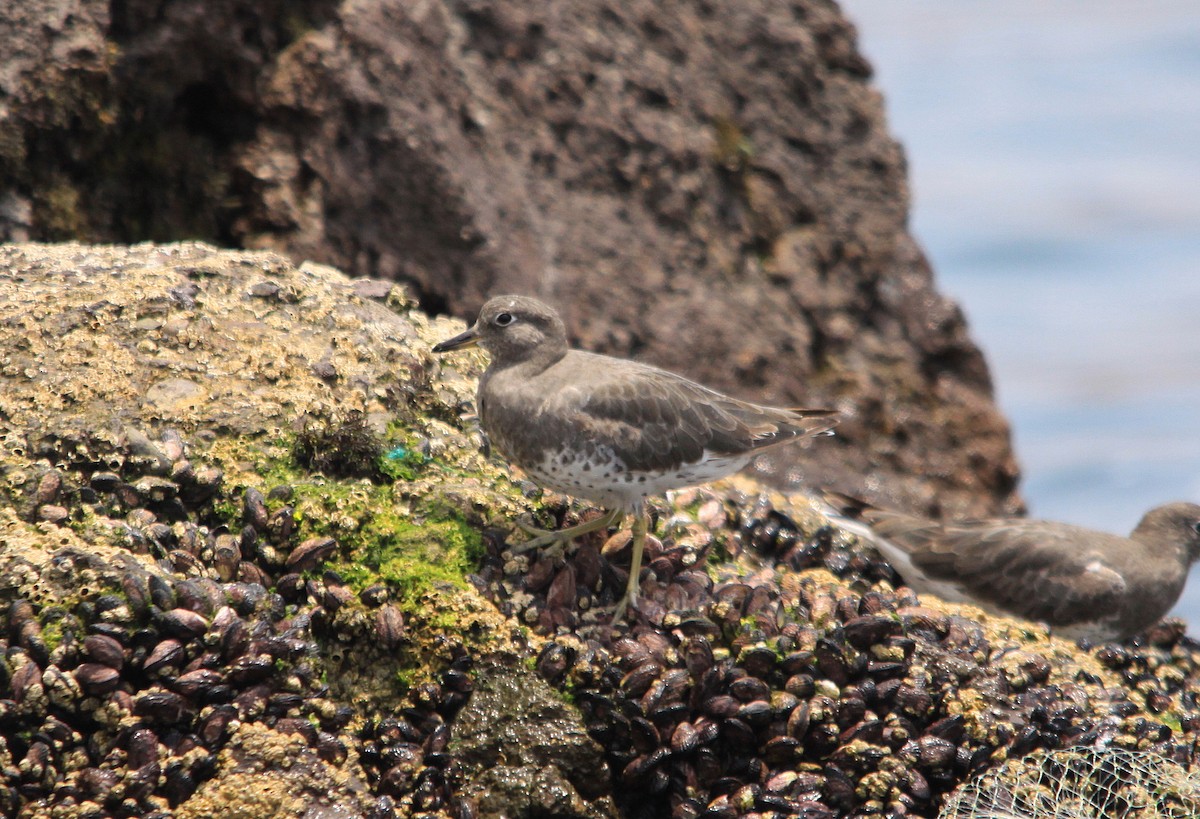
pixel 402 464
pixel 410 558
pixel 409 543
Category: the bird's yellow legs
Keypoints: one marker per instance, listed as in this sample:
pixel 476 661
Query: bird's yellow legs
pixel 640 525
pixel 544 537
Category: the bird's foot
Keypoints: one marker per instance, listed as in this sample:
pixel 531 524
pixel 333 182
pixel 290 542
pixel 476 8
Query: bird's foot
pixel 545 537
pixel 629 601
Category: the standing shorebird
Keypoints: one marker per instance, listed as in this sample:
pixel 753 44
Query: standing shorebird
pixel 1082 583
pixel 608 430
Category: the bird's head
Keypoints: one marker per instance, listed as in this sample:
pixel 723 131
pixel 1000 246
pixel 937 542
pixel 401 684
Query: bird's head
pixel 514 329
pixel 1174 523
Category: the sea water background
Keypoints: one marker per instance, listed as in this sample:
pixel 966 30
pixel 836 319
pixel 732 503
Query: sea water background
pixel 1054 153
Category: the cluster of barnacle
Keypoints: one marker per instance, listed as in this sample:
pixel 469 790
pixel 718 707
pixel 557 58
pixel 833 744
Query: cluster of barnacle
pixel 761 688
pixel 145 484
pixel 119 703
pixel 1161 669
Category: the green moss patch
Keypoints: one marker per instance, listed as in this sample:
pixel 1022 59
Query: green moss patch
pixel 410 558
pixel 410 544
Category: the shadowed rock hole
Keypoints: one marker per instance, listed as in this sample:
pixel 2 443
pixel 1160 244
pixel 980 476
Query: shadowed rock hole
pixel 210 109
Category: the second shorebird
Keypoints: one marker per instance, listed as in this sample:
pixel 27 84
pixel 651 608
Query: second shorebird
pixel 1082 583
pixel 608 430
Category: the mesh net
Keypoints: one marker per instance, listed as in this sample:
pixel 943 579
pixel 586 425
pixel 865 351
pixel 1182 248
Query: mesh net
pixel 1080 783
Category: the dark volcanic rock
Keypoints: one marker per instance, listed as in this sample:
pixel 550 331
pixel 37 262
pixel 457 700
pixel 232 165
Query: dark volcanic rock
pixel 707 186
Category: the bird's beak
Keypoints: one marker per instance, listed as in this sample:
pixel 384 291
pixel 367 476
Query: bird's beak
pixel 468 339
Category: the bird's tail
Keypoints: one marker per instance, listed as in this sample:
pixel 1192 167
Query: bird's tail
pixel 793 423
pixel 816 421
pixel 847 512
pixel 844 505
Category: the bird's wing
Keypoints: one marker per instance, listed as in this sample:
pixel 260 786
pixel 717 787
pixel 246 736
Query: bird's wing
pixel 1047 572
pixel 653 419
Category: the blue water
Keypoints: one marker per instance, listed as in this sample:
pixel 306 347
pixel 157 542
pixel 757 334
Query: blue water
pixel 1054 154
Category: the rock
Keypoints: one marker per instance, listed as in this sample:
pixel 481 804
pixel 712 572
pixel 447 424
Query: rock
pixel 269 774
pixel 526 752
pixel 710 187
pixel 159 649
pixel 241 356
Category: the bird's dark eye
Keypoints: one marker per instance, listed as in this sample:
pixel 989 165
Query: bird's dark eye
pixel 504 319
pixel 1196 527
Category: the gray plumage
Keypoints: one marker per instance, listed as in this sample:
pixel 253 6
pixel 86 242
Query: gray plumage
pixel 1080 582
pixel 605 429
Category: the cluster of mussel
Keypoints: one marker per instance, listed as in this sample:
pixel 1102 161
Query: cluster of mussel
pixel 406 753
pixel 119 706
pixel 745 687
pixel 119 703
pixel 769 691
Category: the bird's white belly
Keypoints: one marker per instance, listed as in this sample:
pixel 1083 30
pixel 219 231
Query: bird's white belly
pixel 608 482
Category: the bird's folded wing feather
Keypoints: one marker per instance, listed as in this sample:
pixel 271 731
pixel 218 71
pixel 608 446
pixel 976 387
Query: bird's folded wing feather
pixel 655 420
pixel 1018 565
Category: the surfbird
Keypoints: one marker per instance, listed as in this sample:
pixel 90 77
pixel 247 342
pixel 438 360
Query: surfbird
pixel 1082 583
pixel 608 430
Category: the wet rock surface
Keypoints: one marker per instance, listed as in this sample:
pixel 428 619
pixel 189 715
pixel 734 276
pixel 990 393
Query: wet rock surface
pixel 299 597
pixel 527 750
pixel 669 176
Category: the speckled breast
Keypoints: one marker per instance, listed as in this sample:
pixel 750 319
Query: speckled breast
pixel 605 480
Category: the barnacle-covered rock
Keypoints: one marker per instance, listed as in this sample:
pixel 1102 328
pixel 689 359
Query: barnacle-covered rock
pixel 198 581
pixel 210 606
pixel 261 772
pixel 806 664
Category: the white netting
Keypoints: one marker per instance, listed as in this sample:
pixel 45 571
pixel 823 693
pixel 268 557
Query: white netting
pixel 1080 783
